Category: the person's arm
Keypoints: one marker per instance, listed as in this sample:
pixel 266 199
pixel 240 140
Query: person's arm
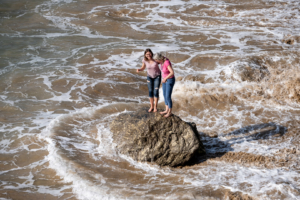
pixel 142 68
pixel 170 75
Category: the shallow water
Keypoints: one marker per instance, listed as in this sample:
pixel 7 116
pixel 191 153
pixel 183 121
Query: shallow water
pixel 69 67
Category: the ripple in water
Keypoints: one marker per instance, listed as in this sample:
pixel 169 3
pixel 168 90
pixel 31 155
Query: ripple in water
pixel 69 67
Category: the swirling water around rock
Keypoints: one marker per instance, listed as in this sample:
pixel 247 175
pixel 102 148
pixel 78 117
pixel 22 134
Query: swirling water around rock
pixel 67 71
pixel 151 137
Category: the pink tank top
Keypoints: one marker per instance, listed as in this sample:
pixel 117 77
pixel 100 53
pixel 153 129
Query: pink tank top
pixel 152 69
pixel 164 68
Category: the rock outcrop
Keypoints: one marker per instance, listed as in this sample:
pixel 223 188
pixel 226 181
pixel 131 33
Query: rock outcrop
pixel 250 72
pixel 237 196
pixel 150 137
pixel 289 39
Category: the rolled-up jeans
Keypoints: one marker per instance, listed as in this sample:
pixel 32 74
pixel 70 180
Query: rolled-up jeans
pixel 167 91
pixel 153 86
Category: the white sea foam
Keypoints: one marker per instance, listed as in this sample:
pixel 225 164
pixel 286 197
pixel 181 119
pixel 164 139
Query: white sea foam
pixel 25 115
pixel 231 177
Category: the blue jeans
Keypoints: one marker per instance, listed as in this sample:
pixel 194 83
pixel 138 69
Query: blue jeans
pixel 167 91
pixel 153 86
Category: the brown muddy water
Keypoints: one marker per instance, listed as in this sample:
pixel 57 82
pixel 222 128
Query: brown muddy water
pixel 68 67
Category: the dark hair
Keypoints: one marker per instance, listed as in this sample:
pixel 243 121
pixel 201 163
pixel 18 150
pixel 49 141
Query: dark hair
pixel 146 51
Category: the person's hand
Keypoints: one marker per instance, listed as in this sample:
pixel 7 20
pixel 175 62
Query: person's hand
pixel 137 70
pixel 164 80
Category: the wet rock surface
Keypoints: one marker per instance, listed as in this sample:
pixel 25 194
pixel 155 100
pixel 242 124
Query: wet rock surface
pixel 150 137
pixel 289 39
pixel 251 72
pixel 229 195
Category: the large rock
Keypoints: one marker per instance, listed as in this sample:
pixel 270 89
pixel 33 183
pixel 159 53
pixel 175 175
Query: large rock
pixel 150 137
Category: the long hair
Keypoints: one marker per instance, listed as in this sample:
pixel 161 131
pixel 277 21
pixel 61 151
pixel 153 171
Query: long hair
pixel 146 51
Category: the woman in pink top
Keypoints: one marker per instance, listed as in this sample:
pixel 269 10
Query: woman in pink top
pixel 153 78
pixel 168 82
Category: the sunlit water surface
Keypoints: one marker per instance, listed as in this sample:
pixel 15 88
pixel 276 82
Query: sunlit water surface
pixel 68 68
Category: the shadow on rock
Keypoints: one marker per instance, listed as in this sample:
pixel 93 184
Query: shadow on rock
pixel 215 145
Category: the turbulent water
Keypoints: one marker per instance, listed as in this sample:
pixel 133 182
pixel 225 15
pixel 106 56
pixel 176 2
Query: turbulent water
pixel 68 68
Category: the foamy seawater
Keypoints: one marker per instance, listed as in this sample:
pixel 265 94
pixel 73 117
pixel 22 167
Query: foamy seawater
pixel 68 68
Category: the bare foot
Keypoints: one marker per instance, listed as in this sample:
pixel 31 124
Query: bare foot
pixel 155 110
pixel 168 115
pixel 164 112
pixel 150 110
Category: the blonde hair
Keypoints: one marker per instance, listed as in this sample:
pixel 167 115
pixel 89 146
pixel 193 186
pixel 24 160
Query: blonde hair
pixel 158 56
